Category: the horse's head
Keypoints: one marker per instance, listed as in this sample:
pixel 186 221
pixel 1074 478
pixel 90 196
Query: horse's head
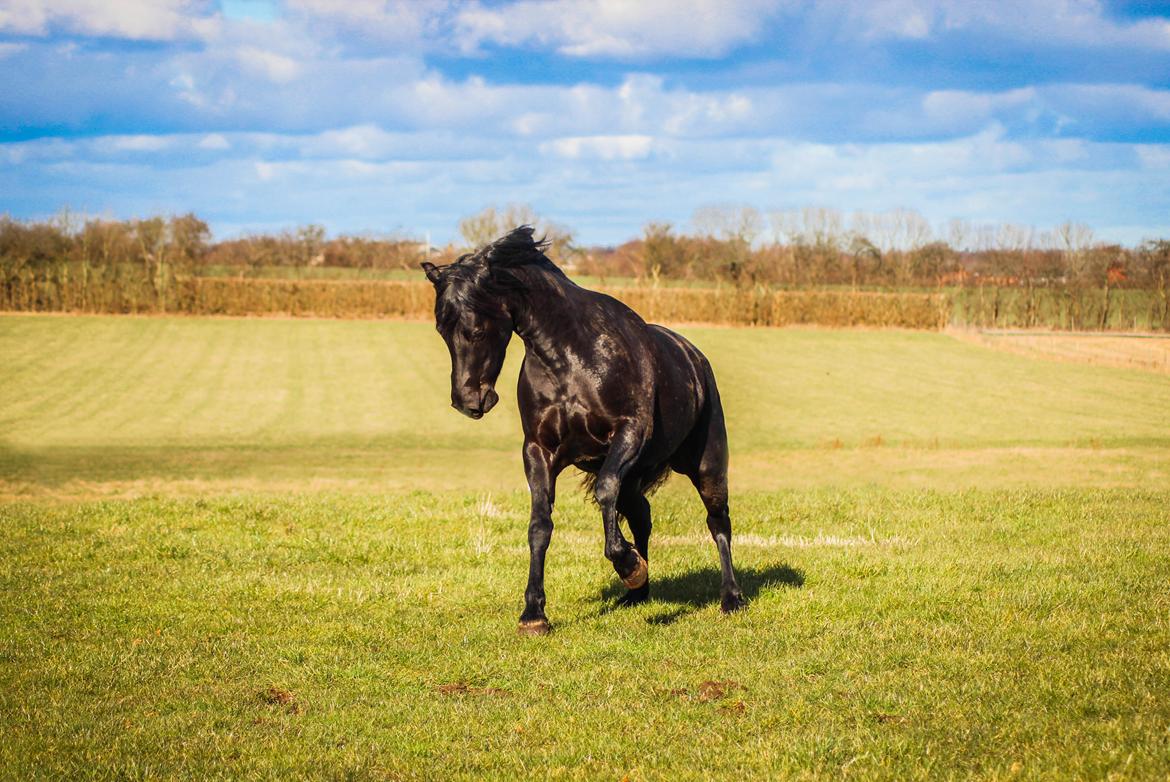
pixel 472 316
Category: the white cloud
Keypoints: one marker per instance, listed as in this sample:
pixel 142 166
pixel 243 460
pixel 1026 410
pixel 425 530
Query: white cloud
pixel 361 141
pixel 617 28
pixel 908 19
pixel 605 185
pixel 1082 22
pixel 1154 157
pixel 271 65
pixel 145 20
pixel 136 143
pixel 266 171
pixel 410 25
pixel 600 147
pixel 214 141
pixel 1134 100
pixel 950 106
pixel 640 105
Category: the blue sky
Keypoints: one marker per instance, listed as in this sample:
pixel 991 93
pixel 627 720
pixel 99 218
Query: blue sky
pixel 404 115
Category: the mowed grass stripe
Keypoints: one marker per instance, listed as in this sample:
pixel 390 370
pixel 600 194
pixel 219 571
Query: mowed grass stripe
pixel 913 388
pixel 150 399
pixel 782 388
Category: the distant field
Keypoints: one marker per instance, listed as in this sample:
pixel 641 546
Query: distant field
pixel 1135 351
pixel 95 405
pixel 268 548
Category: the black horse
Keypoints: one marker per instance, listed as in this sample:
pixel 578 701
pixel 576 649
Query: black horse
pixel 623 400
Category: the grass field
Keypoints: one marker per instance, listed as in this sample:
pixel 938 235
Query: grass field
pixel 268 548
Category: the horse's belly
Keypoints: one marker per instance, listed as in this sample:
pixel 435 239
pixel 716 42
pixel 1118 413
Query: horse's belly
pixel 583 440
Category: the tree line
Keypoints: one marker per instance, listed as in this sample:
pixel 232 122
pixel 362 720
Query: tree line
pixel 996 274
pixel 811 247
pixel 816 247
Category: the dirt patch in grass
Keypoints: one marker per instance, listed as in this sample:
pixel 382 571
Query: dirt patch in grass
pixel 710 690
pixel 462 688
pixel 278 696
pixel 717 690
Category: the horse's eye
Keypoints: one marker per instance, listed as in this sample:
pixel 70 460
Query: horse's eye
pixel 476 335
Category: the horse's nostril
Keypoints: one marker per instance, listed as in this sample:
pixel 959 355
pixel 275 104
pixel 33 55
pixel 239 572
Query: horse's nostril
pixel 488 400
pixel 472 410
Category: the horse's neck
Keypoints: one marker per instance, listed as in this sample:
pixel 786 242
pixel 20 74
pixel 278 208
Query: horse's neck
pixel 546 315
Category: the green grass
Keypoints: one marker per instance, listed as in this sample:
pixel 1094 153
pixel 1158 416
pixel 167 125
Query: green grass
pixel 93 405
pixel 267 548
pixel 897 635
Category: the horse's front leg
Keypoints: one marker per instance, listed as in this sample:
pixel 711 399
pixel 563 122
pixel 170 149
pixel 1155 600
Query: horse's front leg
pixel 542 486
pixel 627 562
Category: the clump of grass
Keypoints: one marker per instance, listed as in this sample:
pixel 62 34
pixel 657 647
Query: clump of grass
pixel 484 509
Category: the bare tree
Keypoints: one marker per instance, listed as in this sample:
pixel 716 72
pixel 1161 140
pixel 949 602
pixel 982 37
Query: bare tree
pixel 480 228
pixel 491 223
pixel 958 234
pixel 1076 239
pixel 728 223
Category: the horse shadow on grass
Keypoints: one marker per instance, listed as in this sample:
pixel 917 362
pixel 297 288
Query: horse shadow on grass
pixel 687 592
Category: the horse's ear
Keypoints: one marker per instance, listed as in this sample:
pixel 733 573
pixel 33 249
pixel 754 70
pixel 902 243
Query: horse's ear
pixel 431 270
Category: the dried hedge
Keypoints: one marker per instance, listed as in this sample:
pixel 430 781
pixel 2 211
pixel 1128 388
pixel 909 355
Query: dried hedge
pixel 415 300
pixel 320 298
pixel 763 307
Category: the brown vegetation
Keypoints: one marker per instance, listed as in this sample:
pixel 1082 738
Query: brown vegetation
pixel 886 271
pixel 415 300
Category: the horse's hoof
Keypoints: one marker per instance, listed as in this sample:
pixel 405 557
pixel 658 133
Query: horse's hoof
pixel 732 602
pixel 634 597
pixel 534 627
pixel 639 575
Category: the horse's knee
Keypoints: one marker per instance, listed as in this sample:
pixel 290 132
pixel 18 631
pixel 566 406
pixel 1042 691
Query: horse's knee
pixel 540 530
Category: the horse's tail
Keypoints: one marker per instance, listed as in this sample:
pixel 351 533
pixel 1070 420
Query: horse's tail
pixel 648 482
pixel 653 480
pixel 589 485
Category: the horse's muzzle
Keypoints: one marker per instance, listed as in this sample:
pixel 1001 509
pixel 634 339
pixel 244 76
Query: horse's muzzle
pixel 480 407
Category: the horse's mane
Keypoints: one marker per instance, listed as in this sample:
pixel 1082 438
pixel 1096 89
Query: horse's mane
pixel 517 248
pixel 497 270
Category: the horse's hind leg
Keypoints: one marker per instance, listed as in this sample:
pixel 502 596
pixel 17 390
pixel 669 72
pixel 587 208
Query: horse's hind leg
pixel 636 509
pixel 713 491
pixel 710 479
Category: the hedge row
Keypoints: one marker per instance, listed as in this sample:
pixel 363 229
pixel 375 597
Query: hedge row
pixel 415 300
